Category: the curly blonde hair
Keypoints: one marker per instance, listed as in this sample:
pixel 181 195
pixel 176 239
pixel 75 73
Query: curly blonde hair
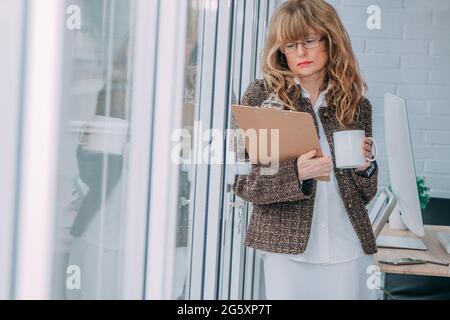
pixel 293 21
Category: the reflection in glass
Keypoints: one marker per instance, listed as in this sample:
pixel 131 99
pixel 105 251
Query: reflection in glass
pixel 92 176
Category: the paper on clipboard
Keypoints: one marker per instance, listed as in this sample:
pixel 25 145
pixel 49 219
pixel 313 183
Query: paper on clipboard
pixel 293 132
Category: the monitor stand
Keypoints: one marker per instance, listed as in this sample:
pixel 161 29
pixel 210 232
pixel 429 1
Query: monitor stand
pixel 395 242
pixel 399 242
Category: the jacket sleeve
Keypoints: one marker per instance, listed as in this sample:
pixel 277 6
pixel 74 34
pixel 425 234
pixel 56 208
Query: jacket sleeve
pixel 259 188
pixel 366 185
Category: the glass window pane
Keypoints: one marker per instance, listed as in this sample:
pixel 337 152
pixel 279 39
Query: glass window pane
pixel 94 135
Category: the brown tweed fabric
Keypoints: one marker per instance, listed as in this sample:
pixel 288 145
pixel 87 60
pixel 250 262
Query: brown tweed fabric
pixel 282 214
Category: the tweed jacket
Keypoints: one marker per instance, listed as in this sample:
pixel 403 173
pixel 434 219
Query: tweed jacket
pixel 282 212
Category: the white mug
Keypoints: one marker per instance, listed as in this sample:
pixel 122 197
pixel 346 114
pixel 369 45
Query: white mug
pixel 104 134
pixel 348 149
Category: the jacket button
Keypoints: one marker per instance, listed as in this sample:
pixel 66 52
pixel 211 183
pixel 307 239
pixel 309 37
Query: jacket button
pixel 325 114
pixel 349 205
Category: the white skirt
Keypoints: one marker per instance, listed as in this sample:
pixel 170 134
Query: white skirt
pixel 295 280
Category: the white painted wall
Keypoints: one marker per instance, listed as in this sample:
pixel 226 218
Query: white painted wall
pixel 408 56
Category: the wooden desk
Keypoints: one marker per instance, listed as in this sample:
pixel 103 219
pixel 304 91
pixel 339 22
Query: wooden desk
pixel 435 252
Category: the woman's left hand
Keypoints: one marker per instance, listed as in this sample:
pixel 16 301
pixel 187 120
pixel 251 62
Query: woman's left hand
pixel 367 152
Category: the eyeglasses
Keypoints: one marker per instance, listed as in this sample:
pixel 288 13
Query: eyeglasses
pixel 311 42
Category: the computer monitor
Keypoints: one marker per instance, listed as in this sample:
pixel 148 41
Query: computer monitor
pixel 400 158
pixel 400 161
pixel 404 196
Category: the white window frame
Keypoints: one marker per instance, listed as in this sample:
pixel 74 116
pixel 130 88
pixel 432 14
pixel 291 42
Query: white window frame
pixel 38 184
pixel 143 43
pixel 206 52
pixel 220 106
pixel 164 173
pixel 11 60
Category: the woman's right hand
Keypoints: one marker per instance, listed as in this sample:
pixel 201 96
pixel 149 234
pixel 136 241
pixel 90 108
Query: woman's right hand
pixel 310 168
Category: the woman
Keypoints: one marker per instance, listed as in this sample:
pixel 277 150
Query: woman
pixel 315 236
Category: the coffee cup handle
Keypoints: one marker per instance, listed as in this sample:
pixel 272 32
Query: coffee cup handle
pixel 374 150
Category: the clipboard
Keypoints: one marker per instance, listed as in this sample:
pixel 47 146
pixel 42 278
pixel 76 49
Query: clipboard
pixel 296 133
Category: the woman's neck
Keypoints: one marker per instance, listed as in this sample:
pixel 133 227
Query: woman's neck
pixel 313 85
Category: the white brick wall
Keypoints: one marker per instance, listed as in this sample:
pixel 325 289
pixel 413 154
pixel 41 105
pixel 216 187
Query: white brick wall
pixel 409 56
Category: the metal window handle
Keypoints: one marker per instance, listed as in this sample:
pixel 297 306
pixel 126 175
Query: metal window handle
pixel 238 204
pixel 182 201
pixel 241 218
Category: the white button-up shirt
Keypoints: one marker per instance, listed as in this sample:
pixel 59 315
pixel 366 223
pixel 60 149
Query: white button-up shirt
pixel 333 238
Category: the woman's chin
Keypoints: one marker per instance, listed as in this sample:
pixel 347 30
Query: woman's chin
pixel 304 73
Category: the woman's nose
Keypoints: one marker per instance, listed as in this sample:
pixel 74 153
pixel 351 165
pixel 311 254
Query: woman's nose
pixel 300 50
